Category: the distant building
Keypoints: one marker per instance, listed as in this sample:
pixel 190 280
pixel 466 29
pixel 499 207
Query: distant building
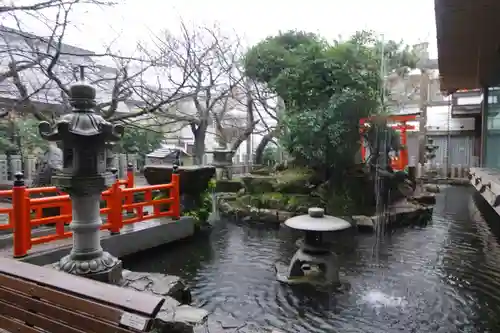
pixel 167 155
pixel 452 121
pixel 469 65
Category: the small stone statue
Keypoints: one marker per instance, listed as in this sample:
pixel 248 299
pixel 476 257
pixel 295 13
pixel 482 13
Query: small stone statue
pixel 46 167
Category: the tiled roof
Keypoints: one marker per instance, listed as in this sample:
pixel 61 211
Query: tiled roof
pixel 167 152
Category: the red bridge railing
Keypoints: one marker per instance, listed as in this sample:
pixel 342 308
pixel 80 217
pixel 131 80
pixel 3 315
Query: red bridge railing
pixel 26 211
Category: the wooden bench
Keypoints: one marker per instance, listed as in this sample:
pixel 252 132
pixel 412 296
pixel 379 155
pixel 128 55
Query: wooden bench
pixel 40 299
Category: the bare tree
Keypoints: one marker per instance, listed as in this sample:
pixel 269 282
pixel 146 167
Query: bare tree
pixel 32 6
pixel 270 110
pixel 258 113
pixel 236 120
pixel 193 79
pixel 37 72
pixel 207 78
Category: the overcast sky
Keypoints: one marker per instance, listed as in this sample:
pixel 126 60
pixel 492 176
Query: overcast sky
pixel 134 20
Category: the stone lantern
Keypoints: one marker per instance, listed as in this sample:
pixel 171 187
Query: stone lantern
pixel 85 137
pixel 110 155
pixel 430 150
pixel 313 263
pixel 223 160
pixel 430 155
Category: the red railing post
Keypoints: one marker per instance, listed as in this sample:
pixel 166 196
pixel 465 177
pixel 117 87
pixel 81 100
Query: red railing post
pixel 115 217
pixel 130 184
pixel 22 230
pixel 175 195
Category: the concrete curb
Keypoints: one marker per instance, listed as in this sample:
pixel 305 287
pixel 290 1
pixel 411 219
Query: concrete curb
pixel 143 236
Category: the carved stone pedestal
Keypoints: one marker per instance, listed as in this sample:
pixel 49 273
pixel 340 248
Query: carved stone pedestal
pixel 87 257
pixel 105 268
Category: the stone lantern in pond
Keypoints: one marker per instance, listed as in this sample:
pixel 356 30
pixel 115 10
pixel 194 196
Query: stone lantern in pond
pixel 85 138
pixel 313 263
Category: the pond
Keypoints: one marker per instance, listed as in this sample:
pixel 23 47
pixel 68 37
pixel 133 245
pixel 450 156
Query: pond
pixel 444 277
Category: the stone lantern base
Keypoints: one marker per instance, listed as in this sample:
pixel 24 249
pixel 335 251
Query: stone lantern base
pixel 105 268
pixel 310 268
pixel 313 263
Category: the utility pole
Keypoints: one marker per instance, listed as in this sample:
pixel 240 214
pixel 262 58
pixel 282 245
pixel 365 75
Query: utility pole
pixel 423 102
pixel 383 71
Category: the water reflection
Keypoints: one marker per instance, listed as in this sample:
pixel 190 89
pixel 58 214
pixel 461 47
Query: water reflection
pixel 440 278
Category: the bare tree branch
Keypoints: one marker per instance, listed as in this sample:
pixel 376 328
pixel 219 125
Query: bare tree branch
pixel 37 6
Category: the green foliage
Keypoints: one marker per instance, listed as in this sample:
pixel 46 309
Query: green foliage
pixel 270 155
pixel 379 131
pixel 296 203
pixel 398 56
pixel 30 138
pixel 293 65
pixel 140 140
pixel 202 213
pixel 20 134
pixel 327 88
pixel 328 137
pixel 212 184
pixel 7 129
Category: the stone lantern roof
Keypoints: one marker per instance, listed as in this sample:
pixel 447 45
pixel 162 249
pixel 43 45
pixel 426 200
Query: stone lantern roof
pixel 82 122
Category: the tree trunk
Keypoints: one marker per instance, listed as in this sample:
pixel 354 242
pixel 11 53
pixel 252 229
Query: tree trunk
pixel 199 144
pixel 259 152
pixel 239 140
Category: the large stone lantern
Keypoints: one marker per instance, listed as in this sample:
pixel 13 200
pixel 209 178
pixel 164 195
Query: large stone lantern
pixel 85 138
pixel 223 160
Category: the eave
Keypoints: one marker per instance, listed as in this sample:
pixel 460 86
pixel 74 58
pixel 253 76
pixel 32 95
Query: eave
pixel 468 43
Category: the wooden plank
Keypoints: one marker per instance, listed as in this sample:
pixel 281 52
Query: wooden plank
pixel 13 326
pixel 84 322
pixel 66 300
pixel 136 301
pixel 34 319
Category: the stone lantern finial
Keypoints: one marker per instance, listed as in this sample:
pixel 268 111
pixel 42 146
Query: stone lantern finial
pixel 85 138
pixel 82 95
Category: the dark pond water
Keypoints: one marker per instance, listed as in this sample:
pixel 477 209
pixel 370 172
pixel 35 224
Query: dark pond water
pixel 444 277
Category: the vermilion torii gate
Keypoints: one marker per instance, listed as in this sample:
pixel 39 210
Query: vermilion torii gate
pixel 399 123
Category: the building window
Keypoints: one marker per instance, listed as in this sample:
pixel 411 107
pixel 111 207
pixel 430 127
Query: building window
pixel 492 129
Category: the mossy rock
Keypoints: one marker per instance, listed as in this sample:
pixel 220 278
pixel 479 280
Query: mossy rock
pixel 261 171
pixel 295 203
pixel 228 186
pixel 274 200
pixel 258 184
pixel 249 200
pixel 301 203
pixel 270 200
pixel 294 181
